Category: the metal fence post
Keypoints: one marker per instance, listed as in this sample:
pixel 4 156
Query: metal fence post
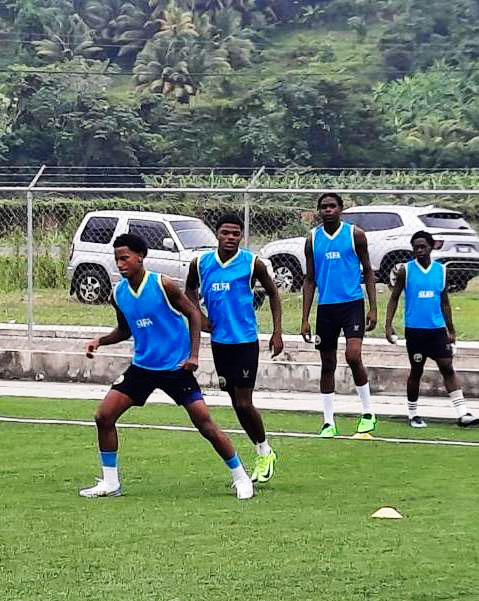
pixel 30 250
pixel 247 226
pixel 30 264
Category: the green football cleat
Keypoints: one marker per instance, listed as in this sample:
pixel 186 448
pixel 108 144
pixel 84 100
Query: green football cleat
pixel 366 423
pixel 264 467
pixel 328 431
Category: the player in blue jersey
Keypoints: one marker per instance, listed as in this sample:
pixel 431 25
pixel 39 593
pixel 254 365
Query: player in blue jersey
pixel 226 280
pixel 335 253
pixel 429 329
pixel 151 308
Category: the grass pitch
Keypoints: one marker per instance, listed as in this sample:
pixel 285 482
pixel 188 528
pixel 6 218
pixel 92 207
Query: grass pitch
pixel 179 534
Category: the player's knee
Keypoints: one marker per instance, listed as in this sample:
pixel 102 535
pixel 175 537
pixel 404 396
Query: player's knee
pixel 328 366
pixel 104 421
pixel 243 404
pixel 353 359
pixel 447 370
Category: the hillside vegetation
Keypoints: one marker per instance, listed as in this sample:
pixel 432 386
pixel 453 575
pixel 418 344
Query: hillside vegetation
pixel 240 83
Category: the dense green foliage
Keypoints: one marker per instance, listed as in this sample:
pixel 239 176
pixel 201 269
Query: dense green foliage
pixel 323 83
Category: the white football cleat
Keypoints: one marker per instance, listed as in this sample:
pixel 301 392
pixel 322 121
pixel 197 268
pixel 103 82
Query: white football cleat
pixel 244 488
pixel 101 489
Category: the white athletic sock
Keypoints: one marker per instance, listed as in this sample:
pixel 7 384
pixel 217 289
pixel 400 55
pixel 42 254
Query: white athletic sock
pixel 238 473
pixel 110 476
pixel 365 396
pixel 458 402
pixel 263 449
pixel 327 399
pixel 412 407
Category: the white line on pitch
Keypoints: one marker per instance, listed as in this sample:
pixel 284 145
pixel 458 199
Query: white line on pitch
pixel 72 422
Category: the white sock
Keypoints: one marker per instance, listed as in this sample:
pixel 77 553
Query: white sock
pixel 327 399
pixel 263 449
pixel 238 473
pixel 459 404
pixel 412 407
pixel 365 396
pixel 110 476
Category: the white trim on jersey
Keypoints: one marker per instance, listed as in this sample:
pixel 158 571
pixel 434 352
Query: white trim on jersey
pixel 137 294
pixel 226 263
pixel 427 270
pixel 336 233
pixel 253 263
pixel 160 283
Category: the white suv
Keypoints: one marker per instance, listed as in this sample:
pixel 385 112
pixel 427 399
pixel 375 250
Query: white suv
pixel 173 242
pixel 389 229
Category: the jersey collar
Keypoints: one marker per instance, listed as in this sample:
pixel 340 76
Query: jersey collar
pixel 229 261
pixel 336 233
pixel 137 294
pixel 427 270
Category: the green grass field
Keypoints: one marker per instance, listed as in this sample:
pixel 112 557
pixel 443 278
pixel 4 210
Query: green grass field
pixel 179 533
pixel 55 306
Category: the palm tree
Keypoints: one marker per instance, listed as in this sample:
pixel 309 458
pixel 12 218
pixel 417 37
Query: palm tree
pixel 70 37
pixel 233 38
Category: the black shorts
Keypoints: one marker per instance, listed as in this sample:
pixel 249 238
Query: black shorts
pixel 331 319
pixel 424 343
pixel 236 364
pixel 138 383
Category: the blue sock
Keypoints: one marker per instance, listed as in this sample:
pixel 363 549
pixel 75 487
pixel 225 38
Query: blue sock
pixel 234 462
pixel 109 458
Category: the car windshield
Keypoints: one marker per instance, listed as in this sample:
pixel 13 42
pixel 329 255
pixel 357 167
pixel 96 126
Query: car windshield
pixel 194 234
pixel 448 221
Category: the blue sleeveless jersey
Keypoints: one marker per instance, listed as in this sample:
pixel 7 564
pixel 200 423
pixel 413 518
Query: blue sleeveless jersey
pixel 160 332
pixel 228 295
pixel 422 290
pixel 337 270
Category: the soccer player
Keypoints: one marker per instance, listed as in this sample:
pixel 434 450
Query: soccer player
pixel 335 252
pixel 151 308
pixel 429 328
pixel 226 279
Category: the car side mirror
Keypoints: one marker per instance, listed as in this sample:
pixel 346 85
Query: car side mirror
pixel 169 244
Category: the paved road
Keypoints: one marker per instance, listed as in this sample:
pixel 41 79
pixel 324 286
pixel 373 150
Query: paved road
pixel 288 401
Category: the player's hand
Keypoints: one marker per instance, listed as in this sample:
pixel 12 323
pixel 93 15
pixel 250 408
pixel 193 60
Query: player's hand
pixel 371 320
pixel 91 347
pixel 276 344
pixel 306 331
pixel 390 334
pixel 451 337
pixel 191 364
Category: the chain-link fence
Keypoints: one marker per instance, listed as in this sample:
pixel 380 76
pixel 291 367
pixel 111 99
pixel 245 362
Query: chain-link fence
pixel 73 268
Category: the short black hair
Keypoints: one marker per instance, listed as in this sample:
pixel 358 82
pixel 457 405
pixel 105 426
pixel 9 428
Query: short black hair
pixel 426 235
pixel 134 243
pixel 336 197
pixel 230 218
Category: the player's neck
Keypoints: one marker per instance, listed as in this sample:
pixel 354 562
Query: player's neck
pixel 226 255
pixel 331 226
pixel 424 261
pixel 135 281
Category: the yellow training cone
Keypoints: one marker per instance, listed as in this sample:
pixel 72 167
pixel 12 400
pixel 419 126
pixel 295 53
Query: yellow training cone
pixel 387 513
pixel 362 436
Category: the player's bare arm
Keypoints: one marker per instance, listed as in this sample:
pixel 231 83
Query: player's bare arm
pixel 261 274
pixel 183 304
pixel 361 246
pixel 191 291
pixel 119 334
pixel 309 287
pixel 447 312
pixel 393 303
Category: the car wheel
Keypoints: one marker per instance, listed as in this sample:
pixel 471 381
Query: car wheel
pixel 390 266
pixel 288 275
pixel 457 284
pixel 92 285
